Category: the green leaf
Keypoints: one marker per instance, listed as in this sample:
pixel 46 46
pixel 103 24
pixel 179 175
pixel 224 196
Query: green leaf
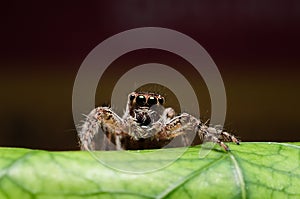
pixel 250 170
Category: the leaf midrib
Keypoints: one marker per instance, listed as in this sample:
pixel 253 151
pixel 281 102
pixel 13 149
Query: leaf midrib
pixel 238 171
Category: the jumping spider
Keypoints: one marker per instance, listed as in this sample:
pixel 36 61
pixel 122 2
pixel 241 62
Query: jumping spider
pixel 145 125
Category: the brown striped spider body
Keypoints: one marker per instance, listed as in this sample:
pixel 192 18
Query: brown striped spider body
pixel 145 125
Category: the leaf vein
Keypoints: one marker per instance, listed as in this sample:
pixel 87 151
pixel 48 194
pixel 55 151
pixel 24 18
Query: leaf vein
pixel 239 174
pixel 182 181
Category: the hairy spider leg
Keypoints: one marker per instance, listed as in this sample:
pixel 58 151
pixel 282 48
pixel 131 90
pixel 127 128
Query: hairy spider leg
pixel 100 118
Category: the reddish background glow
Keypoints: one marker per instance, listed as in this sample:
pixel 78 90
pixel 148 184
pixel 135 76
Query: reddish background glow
pixel 254 43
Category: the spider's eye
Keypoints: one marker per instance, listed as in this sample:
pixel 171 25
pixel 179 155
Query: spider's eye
pixel 140 100
pixel 131 97
pixel 161 100
pixel 151 101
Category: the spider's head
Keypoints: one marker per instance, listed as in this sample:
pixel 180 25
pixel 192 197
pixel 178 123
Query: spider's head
pixel 139 105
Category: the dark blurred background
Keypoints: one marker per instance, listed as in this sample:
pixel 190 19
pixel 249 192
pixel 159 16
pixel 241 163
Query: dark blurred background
pixel 254 43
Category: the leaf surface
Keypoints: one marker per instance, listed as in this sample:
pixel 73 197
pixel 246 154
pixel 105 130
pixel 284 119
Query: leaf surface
pixel 251 170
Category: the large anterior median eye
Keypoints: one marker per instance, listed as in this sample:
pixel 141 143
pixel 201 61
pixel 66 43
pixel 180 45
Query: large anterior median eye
pixel 140 100
pixel 151 101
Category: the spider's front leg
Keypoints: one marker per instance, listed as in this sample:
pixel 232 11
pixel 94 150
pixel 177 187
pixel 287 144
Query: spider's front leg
pixel 185 124
pixel 100 118
pixel 172 126
pixel 216 135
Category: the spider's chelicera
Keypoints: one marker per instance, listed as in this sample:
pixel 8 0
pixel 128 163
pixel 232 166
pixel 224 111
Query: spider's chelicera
pixel 146 124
